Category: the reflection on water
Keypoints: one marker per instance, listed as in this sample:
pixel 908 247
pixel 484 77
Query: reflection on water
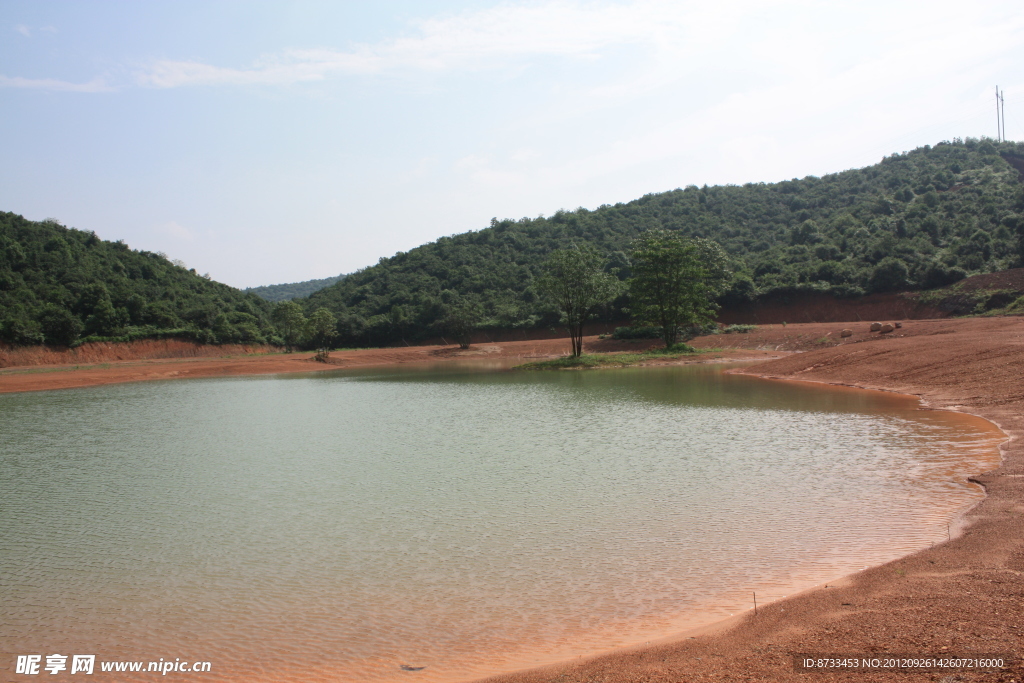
pixel 468 522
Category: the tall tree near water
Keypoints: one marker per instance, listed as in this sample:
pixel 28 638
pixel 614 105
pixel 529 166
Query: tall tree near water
pixel 460 322
pixel 574 279
pixel 674 281
pixel 290 321
pixel 322 328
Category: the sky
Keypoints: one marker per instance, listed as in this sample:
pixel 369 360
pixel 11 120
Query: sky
pixel 271 142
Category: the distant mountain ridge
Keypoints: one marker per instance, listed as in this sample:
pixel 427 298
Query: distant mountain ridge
pixel 291 290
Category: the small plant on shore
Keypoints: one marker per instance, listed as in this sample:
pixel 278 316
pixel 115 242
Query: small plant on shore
pixel 584 360
pixel 739 329
pixel 675 349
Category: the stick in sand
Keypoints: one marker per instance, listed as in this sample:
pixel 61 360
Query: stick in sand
pixel 755 603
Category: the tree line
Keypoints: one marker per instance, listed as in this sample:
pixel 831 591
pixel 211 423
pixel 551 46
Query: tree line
pixel 916 220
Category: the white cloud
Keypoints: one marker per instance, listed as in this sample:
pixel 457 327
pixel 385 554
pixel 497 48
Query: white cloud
pixel 176 230
pixel 805 109
pixel 666 39
pixel 497 37
pixel 95 85
pixel 23 30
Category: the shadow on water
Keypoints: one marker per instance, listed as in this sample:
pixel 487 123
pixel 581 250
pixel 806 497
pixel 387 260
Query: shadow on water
pixel 705 384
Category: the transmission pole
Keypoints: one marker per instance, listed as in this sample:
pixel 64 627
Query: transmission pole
pixel 1002 112
pixel 999 121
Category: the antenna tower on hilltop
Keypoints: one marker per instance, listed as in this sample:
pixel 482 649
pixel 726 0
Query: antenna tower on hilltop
pixel 1000 117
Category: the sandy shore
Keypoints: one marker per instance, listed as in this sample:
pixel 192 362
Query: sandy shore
pixel 961 597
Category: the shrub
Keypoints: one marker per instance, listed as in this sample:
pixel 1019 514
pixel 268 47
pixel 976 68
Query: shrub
pixel 637 333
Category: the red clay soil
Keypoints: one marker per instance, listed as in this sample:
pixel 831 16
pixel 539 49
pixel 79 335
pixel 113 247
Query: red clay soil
pixel 1004 279
pixel 962 597
pixel 807 308
pixel 103 352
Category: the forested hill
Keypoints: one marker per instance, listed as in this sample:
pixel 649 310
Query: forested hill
pixel 291 290
pixel 916 220
pixel 60 286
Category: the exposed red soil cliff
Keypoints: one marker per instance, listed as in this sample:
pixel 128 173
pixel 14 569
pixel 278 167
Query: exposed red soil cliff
pixel 103 352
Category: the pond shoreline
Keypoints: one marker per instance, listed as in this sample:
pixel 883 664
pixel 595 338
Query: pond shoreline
pixel 960 597
pixel 44 377
pixel 965 596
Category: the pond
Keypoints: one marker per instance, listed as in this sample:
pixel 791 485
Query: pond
pixel 465 519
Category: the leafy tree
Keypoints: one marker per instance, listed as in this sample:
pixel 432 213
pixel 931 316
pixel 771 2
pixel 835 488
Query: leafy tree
pixel 889 275
pixel 59 326
pixel 17 328
pixel 460 322
pixel 717 274
pixel 321 329
pixel 290 321
pixel 672 285
pixel 575 280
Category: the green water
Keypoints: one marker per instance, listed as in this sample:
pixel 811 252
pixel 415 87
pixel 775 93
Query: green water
pixel 461 519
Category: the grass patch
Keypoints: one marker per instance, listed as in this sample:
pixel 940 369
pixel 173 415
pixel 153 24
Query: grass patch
pixel 605 360
pixel 1015 307
pixel 954 300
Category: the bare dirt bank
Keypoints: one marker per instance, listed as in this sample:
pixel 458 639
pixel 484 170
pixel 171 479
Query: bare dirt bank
pixel 104 352
pixel 964 596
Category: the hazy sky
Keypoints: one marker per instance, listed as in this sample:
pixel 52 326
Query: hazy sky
pixel 268 142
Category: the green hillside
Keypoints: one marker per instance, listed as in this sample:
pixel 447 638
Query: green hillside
pixel 61 286
pixel 916 220
pixel 291 290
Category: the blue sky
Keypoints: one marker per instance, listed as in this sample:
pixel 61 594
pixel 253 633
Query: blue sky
pixel 282 141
